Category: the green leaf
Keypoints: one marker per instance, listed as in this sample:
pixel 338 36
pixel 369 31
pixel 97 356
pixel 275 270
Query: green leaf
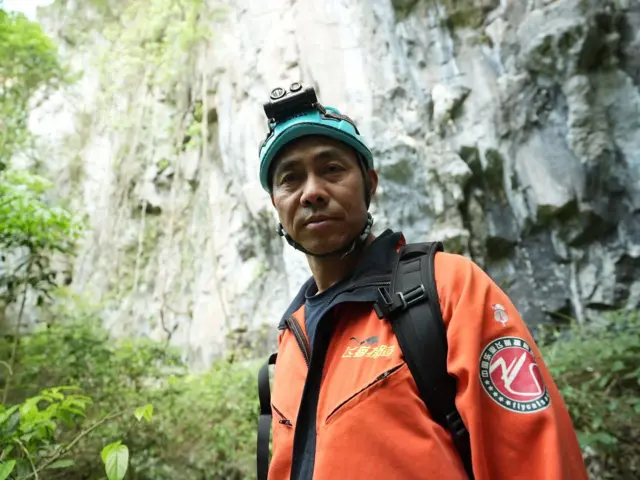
pixel 6 468
pixel 7 451
pixel 9 426
pixel 617 366
pixel 29 409
pixel 603 381
pixel 62 464
pixel 107 449
pixel 145 412
pixel 8 413
pixel 116 461
pixel 76 411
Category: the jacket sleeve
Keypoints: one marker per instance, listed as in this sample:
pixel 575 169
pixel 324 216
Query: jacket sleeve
pixel 518 423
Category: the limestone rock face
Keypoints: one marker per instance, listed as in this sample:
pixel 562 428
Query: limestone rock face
pixel 508 129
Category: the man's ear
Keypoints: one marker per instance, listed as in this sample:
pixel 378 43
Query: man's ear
pixel 372 176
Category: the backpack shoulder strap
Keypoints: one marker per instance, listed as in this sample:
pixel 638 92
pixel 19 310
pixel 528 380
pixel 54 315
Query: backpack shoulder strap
pixel 413 308
pixel 264 421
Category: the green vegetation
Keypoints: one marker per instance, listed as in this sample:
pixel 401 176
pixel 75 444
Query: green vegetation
pixel 29 70
pixel 133 398
pixel 598 374
pixel 75 402
pixel 461 14
pixel 158 45
pixel 457 13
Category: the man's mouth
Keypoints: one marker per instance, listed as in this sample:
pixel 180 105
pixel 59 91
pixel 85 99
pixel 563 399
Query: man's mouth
pixel 319 221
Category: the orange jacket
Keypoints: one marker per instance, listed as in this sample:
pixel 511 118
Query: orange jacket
pixel 352 410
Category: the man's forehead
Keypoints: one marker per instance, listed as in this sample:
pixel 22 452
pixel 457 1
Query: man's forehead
pixel 311 147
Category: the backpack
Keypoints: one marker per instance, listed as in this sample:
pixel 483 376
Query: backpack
pixel 411 305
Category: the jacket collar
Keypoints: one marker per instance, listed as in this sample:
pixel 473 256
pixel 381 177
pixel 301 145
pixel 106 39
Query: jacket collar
pixel 377 260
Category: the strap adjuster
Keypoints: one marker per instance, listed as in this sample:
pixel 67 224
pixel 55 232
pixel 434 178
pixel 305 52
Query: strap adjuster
pixel 389 305
pixel 456 425
pixel 412 296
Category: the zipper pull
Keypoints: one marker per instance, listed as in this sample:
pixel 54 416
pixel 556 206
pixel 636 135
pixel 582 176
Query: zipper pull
pixel 384 375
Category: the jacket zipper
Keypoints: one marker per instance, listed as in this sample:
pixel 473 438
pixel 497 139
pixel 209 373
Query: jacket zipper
pixel 283 420
pixel 296 329
pixel 379 378
pixel 304 441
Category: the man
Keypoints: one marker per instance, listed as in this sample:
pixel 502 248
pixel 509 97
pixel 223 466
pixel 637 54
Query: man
pixel 344 403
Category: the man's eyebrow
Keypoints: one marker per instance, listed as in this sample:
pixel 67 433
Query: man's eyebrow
pixel 285 164
pixel 325 153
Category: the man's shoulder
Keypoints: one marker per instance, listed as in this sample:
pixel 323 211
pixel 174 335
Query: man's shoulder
pixel 457 276
pixel 457 267
pixel 449 261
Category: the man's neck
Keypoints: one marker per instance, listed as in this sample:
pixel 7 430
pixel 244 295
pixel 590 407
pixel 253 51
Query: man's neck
pixel 329 271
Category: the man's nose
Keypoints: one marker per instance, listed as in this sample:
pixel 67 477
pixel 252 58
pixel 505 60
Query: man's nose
pixel 314 193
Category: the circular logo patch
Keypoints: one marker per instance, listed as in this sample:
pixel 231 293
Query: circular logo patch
pixel 511 377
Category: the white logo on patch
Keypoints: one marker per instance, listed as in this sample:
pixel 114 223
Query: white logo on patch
pixel 500 314
pixel 511 376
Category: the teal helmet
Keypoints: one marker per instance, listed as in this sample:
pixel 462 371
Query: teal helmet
pixel 301 117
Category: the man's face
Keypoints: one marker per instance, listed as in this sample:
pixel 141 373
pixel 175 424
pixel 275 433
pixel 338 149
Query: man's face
pixel 318 191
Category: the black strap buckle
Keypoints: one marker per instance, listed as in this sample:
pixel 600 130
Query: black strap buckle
pixel 460 437
pixel 389 305
pixel 456 425
pixel 412 296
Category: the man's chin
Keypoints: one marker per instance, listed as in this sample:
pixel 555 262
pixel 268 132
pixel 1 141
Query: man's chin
pixel 322 246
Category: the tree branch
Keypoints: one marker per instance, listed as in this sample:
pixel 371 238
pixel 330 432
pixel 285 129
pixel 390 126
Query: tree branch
pixel 26 452
pixel 79 437
pixel 16 341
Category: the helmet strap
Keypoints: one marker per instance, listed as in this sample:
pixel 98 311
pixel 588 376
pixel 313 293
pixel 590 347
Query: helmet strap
pixel 349 248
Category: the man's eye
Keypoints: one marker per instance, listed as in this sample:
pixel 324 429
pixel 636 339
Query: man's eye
pixel 288 178
pixel 334 168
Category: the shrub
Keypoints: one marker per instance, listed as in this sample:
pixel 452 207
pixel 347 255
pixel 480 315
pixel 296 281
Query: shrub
pixel 598 374
pixel 203 425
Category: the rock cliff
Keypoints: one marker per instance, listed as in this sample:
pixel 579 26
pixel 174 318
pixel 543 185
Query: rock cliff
pixel 508 129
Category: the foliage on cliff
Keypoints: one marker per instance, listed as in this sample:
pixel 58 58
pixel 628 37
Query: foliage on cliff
pixel 29 70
